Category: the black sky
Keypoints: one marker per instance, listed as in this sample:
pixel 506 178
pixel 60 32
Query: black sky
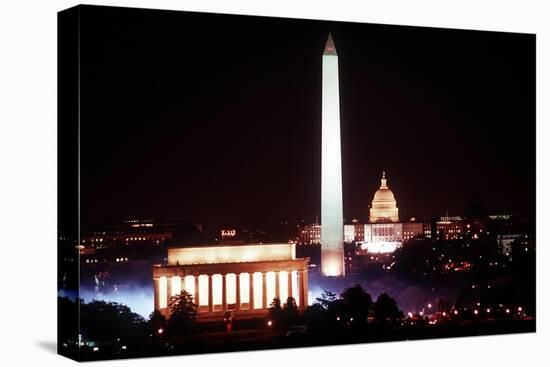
pixel 217 118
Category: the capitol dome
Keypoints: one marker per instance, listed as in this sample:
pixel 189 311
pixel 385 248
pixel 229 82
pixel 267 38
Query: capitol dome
pixel 384 207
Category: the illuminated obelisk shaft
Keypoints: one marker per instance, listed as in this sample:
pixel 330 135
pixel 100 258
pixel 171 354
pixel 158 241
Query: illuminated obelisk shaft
pixel 332 222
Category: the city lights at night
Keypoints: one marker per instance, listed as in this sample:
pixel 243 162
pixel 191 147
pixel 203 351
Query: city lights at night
pixel 327 183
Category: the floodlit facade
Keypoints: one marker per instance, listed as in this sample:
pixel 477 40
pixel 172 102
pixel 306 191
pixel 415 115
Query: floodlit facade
pixel 310 234
pixel 332 216
pixel 384 207
pixel 450 228
pixel 243 278
pixel 384 233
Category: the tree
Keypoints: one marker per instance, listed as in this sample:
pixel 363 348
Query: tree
pixel 355 305
pixel 276 313
pixel 386 311
pixel 156 322
pixel 67 316
pixel 183 314
pixel 107 321
pixel 326 299
pixel 317 319
pixel 290 312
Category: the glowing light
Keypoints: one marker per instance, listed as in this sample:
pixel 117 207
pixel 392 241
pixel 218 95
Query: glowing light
pixel 444 313
pixel 163 292
pixel 176 286
pixel 189 286
pixel 488 310
pixel 429 305
pixel 410 314
pixel 456 312
pixel 337 318
pixel 217 289
pixel 332 230
pixel 203 290
pixel 160 331
pixel 269 323
pixel 245 287
pixel 507 310
pixel 228 233
pixel 294 276
pixel 231 254
pixel 520 309
pixel 258 290
pixel 380 247
pixel 476 312
pixel 231 288
pixel 283 285
pixel 270 286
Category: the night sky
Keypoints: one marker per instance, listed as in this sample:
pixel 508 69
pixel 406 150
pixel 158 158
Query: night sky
pixel 217 118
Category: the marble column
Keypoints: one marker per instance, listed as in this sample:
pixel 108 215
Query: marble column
pixel 264 290
pixel 277 284
pixel 306 290
pixel 304 286
pixel 168 291
pixel 238 290
pixel 157 293
pixel 210 294
pixel 196 276
pixel 251 294
pixel 224 292
pixel 300 288
pixel 289 281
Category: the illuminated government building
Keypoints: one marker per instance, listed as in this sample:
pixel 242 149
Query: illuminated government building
pixel 239 277
pixel 384 207
pixel 383 233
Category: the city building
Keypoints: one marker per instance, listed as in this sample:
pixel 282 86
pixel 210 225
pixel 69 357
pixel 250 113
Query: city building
pixel 134 232
pixel 384 233
pixel 450 228
pixel 309 234
pixel 412 230
pixel 238 277
pixel 505 242
pixel 332 236
pixel 384 207
pixel 427 230
pixel 133 240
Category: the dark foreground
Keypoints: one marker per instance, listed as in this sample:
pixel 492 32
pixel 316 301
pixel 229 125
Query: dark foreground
pixel 261 339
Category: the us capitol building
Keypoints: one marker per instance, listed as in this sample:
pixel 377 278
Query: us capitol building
pixel 383 233
pixel 384 207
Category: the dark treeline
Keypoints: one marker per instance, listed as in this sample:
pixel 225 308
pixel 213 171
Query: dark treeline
pixel 112 330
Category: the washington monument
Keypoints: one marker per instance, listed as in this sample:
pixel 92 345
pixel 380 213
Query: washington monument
pixel 332 218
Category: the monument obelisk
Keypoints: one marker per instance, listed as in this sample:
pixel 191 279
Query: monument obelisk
pixel 332 217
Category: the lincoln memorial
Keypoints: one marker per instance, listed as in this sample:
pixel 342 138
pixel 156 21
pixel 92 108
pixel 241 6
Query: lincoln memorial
pixel 244 278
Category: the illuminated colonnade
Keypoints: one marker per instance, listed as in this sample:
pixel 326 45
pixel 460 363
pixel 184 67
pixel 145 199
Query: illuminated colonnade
pixel 230 291
pixel 219 281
